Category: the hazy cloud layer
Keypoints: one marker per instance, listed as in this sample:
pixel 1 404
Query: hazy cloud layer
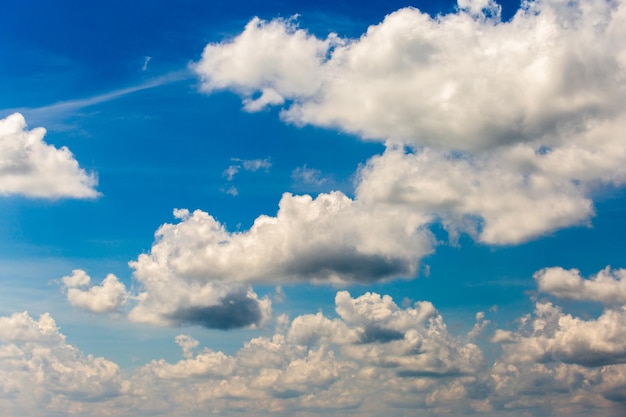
pixel 375 358
pixel 42 375
pixel 32 168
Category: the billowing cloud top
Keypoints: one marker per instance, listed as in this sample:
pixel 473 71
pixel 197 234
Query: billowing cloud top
pixel 462 81
pixel 509 125
pixel 30 167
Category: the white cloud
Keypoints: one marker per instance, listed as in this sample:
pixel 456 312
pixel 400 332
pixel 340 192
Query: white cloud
pixel 197 263
pixel 327 239
pixel 513 124
pixel 553 336
pixel 109 296
pixel 607 286
pixel 374 358
pixel 310 176
pixel 501 200
pixel 454 82
pixel 323 363
pixel 42 375
pixel 30 167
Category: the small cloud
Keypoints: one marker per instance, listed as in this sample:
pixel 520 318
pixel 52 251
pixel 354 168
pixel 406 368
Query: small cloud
pixel 306 175
pixel 107 297
pixel 232 190
pixel 33 168
pixel 231 171
pixel 145 63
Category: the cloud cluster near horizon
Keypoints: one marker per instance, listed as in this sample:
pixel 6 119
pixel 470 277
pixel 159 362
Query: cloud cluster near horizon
pixel 372 356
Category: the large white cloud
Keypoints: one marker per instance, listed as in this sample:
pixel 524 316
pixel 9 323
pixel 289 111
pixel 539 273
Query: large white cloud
pixel 30 167
pixel 511 125
pixel 457 81
pixel 607 286
pixel 504 200
pixel 332 239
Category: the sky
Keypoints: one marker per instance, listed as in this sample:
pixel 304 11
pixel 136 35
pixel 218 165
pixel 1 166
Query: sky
pixel 284 208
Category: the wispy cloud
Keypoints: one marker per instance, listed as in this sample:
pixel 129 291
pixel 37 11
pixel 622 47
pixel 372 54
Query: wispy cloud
pixel 52 114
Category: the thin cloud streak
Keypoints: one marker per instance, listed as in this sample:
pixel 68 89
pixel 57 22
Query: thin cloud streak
pixel 48 115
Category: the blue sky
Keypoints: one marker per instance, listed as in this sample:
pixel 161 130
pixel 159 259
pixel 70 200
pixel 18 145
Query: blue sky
pixel 312 208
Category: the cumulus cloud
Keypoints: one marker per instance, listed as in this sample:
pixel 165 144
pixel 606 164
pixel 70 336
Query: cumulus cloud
pixel 43 375
pixel 372 358
pixel 31 167
pixel 458 81
pixel 509 126
pixel 323 363
pixel 504 200
pixel 326 239
pixel 109 296
pixel 607 286
pixel 553 336
pixel 199 272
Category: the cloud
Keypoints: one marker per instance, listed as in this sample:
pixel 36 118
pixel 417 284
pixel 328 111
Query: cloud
pixel 43 375
pixel 327 239
pixel 553 336
pixel 320 363
pixel 198 272
pixel 500 200
pixel 309 176
pixel 32 168
pixel 503 130
pixel 252 165
pixel 51 114
pixel 462 81
pixel 107 297
pixel 372 358
pixel 607 286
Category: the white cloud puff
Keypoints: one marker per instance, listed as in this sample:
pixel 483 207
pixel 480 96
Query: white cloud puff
pixel 607 286
pixel 553 336
pixel 40 374
pixel 197 263
pixel 30 167
pixel 457 81
pixel 504 200
pixel 109 296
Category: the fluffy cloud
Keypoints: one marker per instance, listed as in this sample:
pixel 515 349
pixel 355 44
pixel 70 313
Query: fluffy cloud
pixel 324 363
pixel 109 296
pixel 196 265
pixel 504 200
pixel 553 336
pixel 457 81
pixel 30 167
pixel 40 374
pixel 374 358
pixel 510 125
pixel 607 286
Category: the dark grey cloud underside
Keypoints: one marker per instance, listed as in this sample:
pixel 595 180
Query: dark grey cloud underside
pixel 234 311
pixel 349 265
